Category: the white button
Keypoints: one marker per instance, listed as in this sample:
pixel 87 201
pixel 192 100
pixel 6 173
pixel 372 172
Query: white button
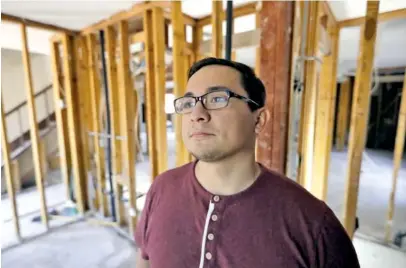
pixel 216 198
pixel 214 217
pixel 210 236
pixel 208 256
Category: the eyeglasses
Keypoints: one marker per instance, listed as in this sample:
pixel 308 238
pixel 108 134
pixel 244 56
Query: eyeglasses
pixel 213 100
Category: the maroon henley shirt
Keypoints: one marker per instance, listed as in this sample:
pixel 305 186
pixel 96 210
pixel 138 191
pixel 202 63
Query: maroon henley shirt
pixel 273 223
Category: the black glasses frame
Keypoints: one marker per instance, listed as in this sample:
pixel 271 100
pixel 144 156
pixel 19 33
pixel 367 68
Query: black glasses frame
pixel 230 94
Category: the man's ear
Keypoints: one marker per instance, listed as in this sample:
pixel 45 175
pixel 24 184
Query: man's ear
pixel 262 116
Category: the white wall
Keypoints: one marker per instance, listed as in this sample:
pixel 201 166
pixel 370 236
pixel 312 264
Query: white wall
pixel 38 39
pixel 13 93
pixel 14 90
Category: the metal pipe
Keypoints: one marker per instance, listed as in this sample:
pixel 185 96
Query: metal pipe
pixel 229 29
pixel 108 123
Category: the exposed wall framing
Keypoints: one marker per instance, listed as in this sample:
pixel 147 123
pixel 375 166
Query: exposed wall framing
pixel 359 116
pixel 39 173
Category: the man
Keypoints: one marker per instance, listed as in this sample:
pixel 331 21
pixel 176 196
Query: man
pixel 224 209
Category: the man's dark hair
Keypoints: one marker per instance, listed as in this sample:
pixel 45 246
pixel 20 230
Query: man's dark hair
pixel 250 82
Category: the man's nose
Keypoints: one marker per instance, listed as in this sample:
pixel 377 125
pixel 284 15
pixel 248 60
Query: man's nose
pixel 199 113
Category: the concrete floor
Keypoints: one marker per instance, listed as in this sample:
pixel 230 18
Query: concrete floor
pixel 79 245
pixel 374 190
pixel 84 245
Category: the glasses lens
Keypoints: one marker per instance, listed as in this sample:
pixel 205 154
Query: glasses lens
pixel 216 100
pixel 184 105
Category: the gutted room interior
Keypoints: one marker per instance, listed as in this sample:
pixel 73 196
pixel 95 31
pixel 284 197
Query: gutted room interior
pixel 88 120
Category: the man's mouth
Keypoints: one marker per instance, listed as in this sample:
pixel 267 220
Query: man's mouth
pixel 200 134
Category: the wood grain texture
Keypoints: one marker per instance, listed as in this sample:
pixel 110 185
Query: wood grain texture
pixel 276 41
pixel 32 115
pixel 360 113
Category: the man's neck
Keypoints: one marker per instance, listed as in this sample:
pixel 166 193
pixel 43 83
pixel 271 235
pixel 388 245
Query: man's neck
pixel 228 176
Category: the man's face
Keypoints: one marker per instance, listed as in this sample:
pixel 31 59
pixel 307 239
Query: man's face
pixel 212 135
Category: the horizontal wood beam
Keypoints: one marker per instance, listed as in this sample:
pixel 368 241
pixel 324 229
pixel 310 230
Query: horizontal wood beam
pixel 166 5
pixel 138 37
pixel 188 20
pixel 332 21
pixel 385 16
pixel 240 11
pixel 35 24
pixel 135 10
pixel 239 40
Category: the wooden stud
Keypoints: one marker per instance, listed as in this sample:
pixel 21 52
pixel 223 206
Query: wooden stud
pixel 138 37
pixel 15 170
pixel 10 180
pixel 216 22
pixel 95 114
pixel 115 120
pixel 127 120
pixel 343 114
pixel 39 175
pixel 385 16
pixel 325 110
pixel 276 42
pixel 158 25
pixel 83 100
pixel 258 49
pixel 360 112
pixel 306 135
pixel 197 39
pixel 71 93
pixel 60 113
pixel 180 65
pixel 397 161
pixel 35 24
pixel 150 92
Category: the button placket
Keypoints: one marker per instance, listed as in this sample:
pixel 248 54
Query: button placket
pixel 210 246
pixel 209 256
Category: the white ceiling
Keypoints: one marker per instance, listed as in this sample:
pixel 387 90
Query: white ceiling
pixel 76 15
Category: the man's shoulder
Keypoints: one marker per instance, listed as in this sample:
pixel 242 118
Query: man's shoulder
pixel 291 194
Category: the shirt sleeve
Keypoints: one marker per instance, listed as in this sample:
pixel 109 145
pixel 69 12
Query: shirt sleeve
pixel 334 247
pixel 141 238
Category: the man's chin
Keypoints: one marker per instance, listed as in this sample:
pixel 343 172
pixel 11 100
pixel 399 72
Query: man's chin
pixel 209 156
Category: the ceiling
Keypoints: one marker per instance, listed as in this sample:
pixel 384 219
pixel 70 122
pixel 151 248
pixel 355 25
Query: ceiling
pixel 75 15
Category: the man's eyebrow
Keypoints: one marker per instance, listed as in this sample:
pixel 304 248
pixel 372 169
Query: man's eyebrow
pixel 188 94
pixel 209 89
pixel 216 88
